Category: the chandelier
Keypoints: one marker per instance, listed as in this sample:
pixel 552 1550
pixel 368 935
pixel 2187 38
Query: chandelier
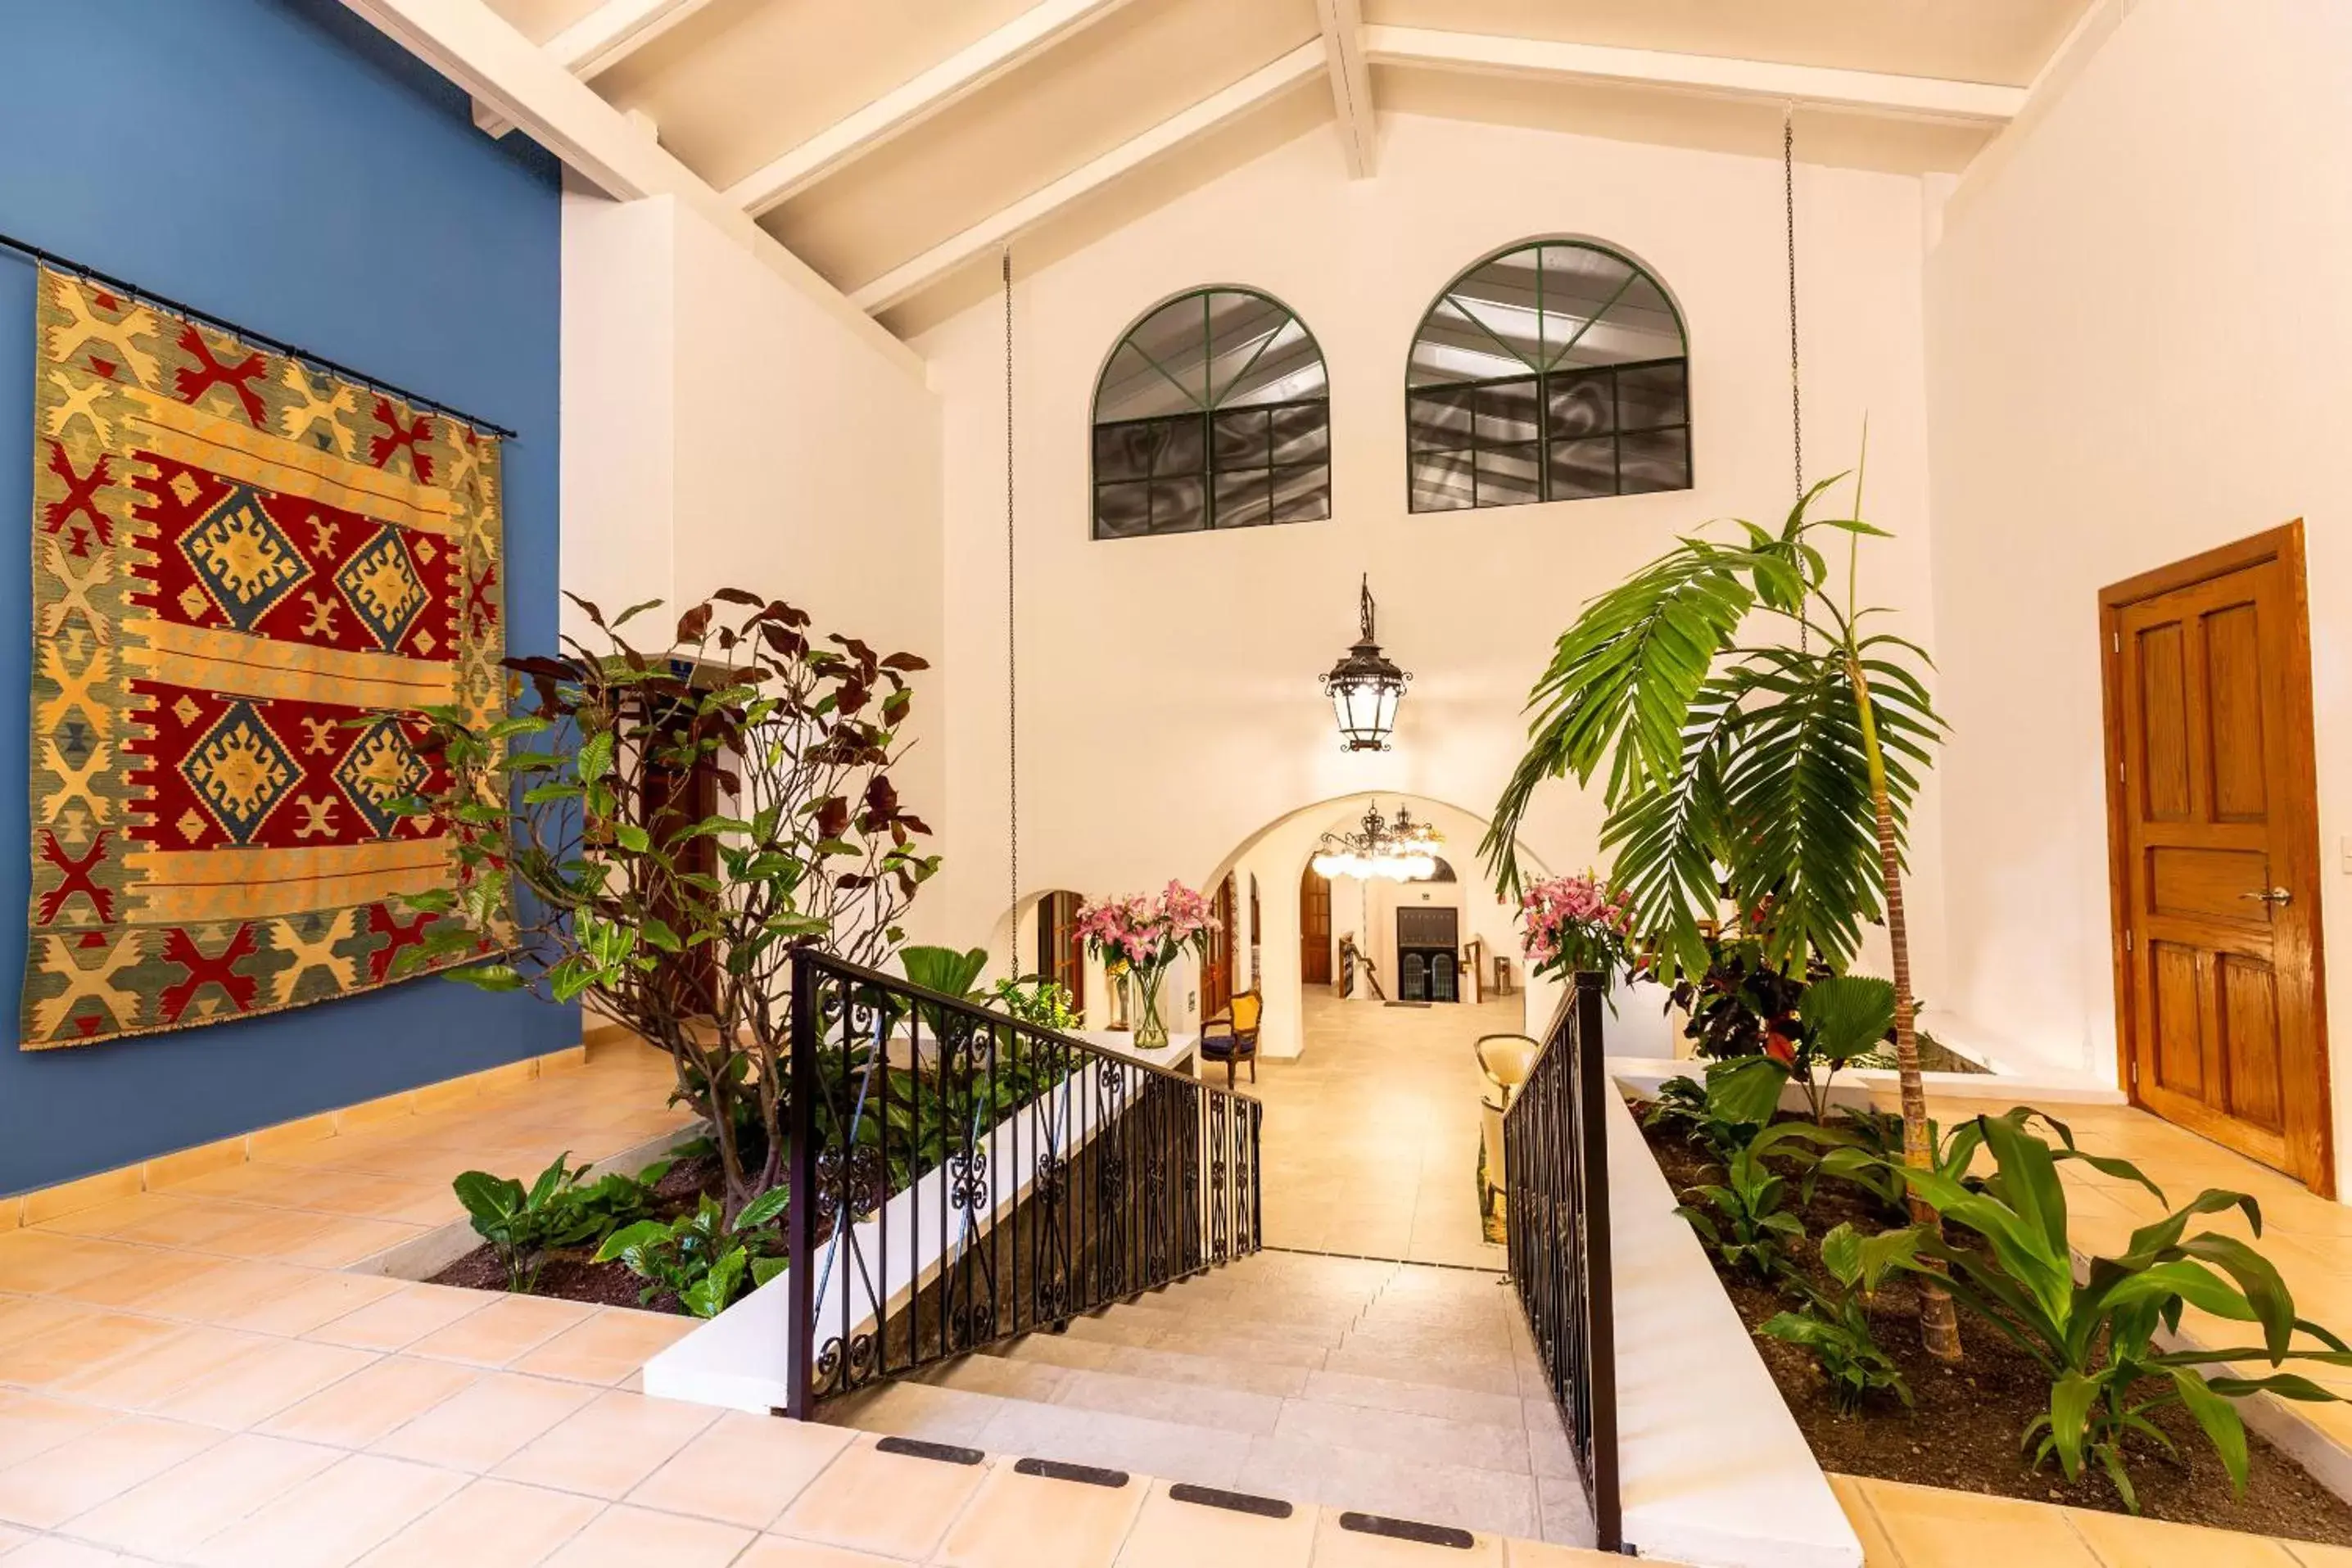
pixel 1364 688
pixel 1400 851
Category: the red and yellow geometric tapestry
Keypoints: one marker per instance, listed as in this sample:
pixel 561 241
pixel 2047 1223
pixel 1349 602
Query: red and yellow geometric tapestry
pixel 246 577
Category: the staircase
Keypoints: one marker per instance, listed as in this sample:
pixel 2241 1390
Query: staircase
pixel 1397 1388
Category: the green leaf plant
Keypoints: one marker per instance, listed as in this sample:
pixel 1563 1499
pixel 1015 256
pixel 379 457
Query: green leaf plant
pixel 1834 1325
pixel 704 1259
pixel 581 851
pixel 1758 736
pixel 2093 1330
pixel 1743 1219
pixel 524 1224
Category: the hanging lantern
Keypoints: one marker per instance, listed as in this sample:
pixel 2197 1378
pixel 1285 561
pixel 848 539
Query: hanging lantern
pixel 1364 688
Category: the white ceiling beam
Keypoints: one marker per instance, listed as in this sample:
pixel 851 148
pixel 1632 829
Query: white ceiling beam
pixel 904 106
pixel 477 49
pixel 1268 82
pixel 603 38
pixel 1874 93
pixel 1351 83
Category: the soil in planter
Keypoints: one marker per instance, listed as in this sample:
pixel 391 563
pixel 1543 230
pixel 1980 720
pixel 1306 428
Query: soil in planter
pixel 569 1276
pixel 1964 1433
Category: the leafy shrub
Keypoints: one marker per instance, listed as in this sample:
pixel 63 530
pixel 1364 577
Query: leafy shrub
pixel 2095 1337
pixel 1038 1000
pixel 704 1258
pixel 1834 1325
pixel 524 1224
pixel 1748 1227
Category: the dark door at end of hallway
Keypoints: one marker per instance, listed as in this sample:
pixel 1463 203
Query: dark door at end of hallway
pixel 2213 828
pixel 1314 929
pixel 1217 963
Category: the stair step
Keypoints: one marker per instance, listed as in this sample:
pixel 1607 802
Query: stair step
pixel 1415 1397
pixel 1429 1489
pixel 1169 1450
pixel 1232 1410
pixel 1167 1365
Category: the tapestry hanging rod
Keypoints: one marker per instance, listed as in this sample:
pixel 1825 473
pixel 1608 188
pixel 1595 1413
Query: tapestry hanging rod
pixel 292 351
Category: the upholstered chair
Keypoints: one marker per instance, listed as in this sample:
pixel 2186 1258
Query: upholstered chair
pixel 1232 1036
pixel 1504 1060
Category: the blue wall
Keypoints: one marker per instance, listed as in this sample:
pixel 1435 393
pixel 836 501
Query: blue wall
pixel 274 162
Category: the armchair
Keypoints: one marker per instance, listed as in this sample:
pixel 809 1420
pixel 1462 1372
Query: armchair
pixel 1232 1036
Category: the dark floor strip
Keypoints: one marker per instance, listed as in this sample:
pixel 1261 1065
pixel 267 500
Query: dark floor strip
pixel 916 1448
pixel 1057 1469
pixel 1238 1502
pixel 1407 1530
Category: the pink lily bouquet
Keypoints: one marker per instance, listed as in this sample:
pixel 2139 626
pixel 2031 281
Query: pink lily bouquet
pixel 1574 923
pixel 1140 936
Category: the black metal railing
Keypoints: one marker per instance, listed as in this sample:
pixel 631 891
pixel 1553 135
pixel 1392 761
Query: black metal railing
pixel 960 1177
pixel 1555 1166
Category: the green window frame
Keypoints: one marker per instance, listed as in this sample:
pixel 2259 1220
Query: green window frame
pixel 1212 411
pixel 1549 370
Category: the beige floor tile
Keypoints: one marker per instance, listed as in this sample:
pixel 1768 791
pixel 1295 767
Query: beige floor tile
pixel 893 1504
pixel 507 1329
pixel 1171 1535
pixel 1932 1527
pixel 79 1345
pixel 30 1423
pixel 1544 1554
pixel 46 1491
pixel 743 1470
pixel 2311 1555
pixel 23 1317
pixel 167 1517
pixel 282 1372
pixel 58 1551
pixel 488 1523
pixel 35 1261
pixel 333 1518
pixel 1033 1521
pixel 147 1377
pixel 484 1425
pixel 315 1303
pixel 106 1218
pixel 625 1537
pixel 371 1403
pixel 2123 1541
pixel 226 1288
pixel 778 1552
pixel 188 1223
pixel 607 1348
pixel 609 1444
pixel 1853 1497
pixel 401 1319
pixel 1338 1547
pixel 144 1283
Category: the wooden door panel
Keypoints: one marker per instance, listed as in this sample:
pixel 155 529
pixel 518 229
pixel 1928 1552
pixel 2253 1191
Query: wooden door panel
pixel 2207 883
pixel 1314 929
pixel 2175 1018
pixel 2213 828
pixel 2163 712
pixel 2233 665
pixel 2249 1046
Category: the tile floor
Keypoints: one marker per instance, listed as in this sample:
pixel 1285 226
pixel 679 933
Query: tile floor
pixel 1372 1134
pixel 195 1375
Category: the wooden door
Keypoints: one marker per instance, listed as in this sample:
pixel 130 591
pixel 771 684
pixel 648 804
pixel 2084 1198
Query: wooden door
pixel 1314 929
pixel 1217 963
pixel 1061 951
pixel 2214 832
pixel 671 799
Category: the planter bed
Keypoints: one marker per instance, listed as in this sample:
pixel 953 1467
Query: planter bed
pixel 1963 1434
pixel 569 1276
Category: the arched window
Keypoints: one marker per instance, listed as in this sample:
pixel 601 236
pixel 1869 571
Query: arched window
pixel 1552 371
pixel 1213 413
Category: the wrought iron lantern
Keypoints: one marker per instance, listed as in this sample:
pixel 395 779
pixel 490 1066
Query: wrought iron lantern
pixel 1364 688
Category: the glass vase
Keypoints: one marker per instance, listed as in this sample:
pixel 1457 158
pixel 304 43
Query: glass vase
pixel 1143 1005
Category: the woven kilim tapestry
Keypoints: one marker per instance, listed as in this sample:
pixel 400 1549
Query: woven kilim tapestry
pixel 247 577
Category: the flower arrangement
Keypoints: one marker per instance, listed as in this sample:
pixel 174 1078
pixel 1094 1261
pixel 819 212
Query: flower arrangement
pixel 1575 923
pixel 1140 936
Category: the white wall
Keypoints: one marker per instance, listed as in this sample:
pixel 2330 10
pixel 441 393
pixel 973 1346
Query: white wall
pixel 2138 328
pixel 1169 709
pixel 723 429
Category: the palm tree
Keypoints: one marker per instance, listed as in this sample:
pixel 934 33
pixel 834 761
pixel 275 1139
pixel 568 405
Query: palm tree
pixel 1778 768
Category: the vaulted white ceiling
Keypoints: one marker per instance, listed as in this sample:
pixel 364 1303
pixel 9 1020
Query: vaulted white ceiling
pixel 893 144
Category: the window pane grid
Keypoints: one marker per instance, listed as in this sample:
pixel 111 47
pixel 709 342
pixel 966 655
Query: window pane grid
pixel 1212 414
pixel 1570 433
pixel 1236 468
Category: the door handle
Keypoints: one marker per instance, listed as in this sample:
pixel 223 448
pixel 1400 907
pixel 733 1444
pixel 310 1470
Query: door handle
pixel 2272 896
